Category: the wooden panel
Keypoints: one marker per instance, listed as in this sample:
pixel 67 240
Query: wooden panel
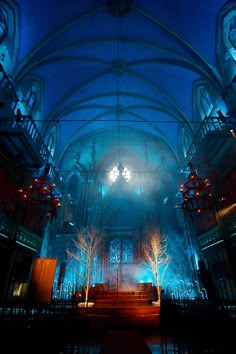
pixel 42 277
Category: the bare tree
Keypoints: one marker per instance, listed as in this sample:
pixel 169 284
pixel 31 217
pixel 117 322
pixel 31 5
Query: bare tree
pixel 155 255
pixel 84 252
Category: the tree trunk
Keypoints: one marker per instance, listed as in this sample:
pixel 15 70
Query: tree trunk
pixel 158 293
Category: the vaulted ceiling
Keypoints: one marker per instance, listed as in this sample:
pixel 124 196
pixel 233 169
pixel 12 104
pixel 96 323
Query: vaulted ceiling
pixel 118 75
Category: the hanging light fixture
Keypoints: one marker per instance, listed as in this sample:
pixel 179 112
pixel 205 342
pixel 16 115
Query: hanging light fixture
pixel 43 193
pixel 119 172
pixel 119 68
pixel 120 165
pixel 196 192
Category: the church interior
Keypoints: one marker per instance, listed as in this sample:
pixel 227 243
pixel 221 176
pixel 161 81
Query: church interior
pixel 118 171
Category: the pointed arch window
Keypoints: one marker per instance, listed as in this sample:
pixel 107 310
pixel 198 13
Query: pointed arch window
pixel 186 144
pixel 121 251
pixel 51 144
pixel 206 103
pixel 232 34
pixel 115 172
pixel 3 25
pixel 50 140
pixel 232 37
pixel 229 37
pixel 30 99
pixel 72 194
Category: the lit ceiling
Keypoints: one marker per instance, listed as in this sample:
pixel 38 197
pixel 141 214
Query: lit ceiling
pixel 118 82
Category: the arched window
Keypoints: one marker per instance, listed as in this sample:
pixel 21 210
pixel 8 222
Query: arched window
pixel 3 25
pixel 52 141
pixel 30 98
pixel 51 144
pixel 186 140
pixel 206 103
pixel 71 203
pixel 186 145
pixel 115 172
pixel 232 34
pixel 227 48
pixel 231 37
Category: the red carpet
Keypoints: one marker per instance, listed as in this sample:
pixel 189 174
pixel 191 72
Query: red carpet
pixel 124 342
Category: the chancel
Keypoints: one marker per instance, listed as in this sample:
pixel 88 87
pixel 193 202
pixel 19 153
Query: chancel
pixel 117 176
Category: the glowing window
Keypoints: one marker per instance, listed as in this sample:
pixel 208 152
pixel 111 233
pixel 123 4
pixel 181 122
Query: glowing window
pixel 115 172
pixel 121 251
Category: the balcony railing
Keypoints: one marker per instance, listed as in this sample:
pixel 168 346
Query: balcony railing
pixel 30 130
pixel 209 125
pixel 22 236
pixel 211 237
pixel 218 233
pixel 8 122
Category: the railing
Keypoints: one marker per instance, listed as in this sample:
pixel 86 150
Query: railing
pixel 200 307
pixel 61 309
pixel 56 310
pixel 209 124
pixel 217 234
pixel 11 100
pixel 23 236
pixel 26 125
pixel 198 326
pixel 230 224
pixel 211 237
pixel 30 129
pixel 184 327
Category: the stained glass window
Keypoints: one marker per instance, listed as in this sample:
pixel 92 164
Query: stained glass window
pixel 115 251
pixel 127 251
pixel 121 251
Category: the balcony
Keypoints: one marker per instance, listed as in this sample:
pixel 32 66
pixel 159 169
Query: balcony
pixel 20 138
pixel 23 142
pixel 214 145
pixel 226 231
pixel 22 236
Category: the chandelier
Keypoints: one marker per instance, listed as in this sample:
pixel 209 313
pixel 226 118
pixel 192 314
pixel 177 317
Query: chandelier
pixel 43 193
pixel 120 172
pixel 196 192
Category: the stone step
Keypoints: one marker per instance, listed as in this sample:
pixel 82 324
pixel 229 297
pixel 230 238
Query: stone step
pixel 122 302
pixel 114 291
pixel 137 297
pixel 123 297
